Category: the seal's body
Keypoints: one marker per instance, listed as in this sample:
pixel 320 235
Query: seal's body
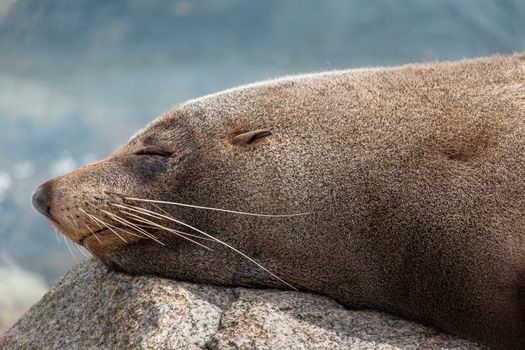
pixel 413 178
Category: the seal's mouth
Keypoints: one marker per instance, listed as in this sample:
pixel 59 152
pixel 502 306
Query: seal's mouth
pixel 100 232
pixel 115 235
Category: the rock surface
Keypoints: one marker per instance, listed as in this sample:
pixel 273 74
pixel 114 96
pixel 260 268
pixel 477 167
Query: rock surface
pixel 93 308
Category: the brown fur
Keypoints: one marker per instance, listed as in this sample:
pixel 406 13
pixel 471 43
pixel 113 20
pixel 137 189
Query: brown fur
pixel 415 176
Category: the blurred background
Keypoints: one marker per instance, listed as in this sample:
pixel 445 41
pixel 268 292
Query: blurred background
pixel 77 78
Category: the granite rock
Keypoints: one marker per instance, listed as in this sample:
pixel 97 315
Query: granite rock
pixel 93 308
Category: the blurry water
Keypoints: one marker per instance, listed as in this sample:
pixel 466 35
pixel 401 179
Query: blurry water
pixel 18 290
pixel 77 78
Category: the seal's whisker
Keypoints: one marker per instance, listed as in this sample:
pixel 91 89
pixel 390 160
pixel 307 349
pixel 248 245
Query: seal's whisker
pixel 152 224
pixel 94 234
pixel 154 214
pixel 117 218
pixel 189 234
pixel 217 209
pixel 69 248
pixel 177 232
pixel 111 226
pixel 184 233
pixel 156 225
pixel 80 250
pixel 76 247
pixel 159 208
pixel 131 225
pixel 58 239
pixel 99 222
pixel 72 219
pixel 125 231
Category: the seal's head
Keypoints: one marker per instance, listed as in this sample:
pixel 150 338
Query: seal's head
pixel 189 196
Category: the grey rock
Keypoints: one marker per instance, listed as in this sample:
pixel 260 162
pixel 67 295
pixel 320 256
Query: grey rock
pixel 93 308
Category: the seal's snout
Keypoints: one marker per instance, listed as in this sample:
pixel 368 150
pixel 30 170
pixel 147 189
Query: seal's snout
pixel 40 201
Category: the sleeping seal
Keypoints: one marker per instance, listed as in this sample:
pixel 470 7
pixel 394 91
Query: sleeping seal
pixel 396 189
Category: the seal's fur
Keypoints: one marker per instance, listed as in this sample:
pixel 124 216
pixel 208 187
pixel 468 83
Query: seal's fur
pixel 415 178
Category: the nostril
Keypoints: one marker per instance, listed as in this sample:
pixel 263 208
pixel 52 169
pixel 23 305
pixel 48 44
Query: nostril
pixel 40 202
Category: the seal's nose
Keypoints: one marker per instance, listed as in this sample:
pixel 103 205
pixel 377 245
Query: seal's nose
pixel 40 202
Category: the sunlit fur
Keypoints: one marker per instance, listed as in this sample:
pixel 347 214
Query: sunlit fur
pixel 398 189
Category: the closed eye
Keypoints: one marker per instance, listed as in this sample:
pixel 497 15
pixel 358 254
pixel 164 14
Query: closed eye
pixel 154 151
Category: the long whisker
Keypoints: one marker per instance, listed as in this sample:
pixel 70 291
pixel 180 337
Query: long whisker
pixel 154 214
pixel 72 219
pixel 115 216
pixel 69 248
pixel 122 230
pixel 177 232
pixel 146 223
pixel 181 232
pixel 58 239
pixel 186 233
pixel 128 224
pixel 91 217
pixel 217 209
pixel 80 250
pixel 94 234
pixel 103 223
pixel 131 225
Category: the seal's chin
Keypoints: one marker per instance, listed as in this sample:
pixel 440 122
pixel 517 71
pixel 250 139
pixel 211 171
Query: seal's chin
pixel 103 236
pixel 103 240
pixel 100 238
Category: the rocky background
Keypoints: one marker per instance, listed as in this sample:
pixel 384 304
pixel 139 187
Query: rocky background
pixel 91 308
pixel 77 78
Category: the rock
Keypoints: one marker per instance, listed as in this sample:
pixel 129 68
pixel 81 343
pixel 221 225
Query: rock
pixel 93 308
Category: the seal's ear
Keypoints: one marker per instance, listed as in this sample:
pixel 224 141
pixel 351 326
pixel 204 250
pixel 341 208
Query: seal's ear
pixel 250 136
